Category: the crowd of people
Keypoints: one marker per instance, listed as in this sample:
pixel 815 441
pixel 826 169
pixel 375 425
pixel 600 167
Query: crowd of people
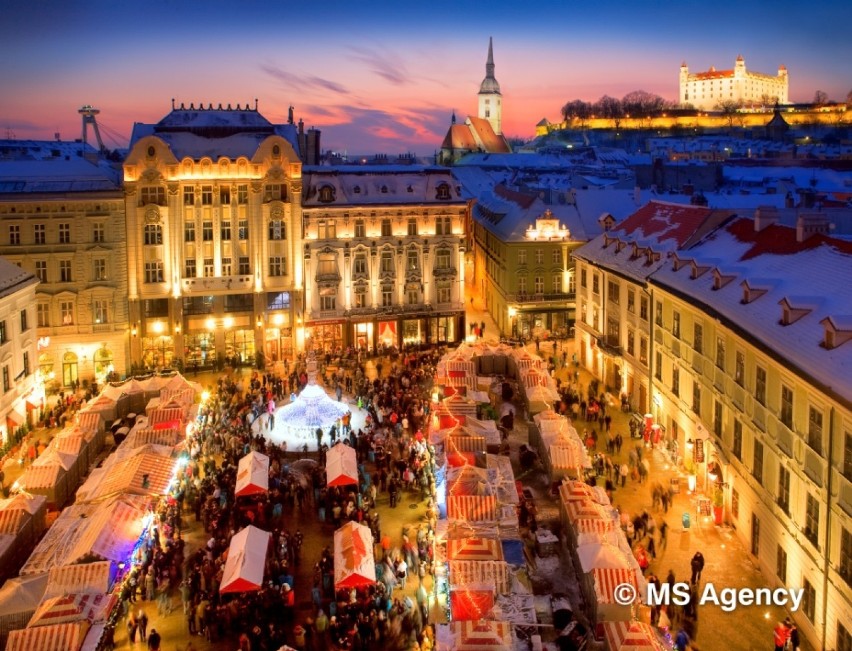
pixel 394 460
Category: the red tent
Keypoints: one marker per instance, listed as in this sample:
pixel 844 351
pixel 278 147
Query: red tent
pixel 471 605
pixel 354 565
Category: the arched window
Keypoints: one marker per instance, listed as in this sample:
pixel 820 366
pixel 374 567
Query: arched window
pixel 45 365
pixel 103 361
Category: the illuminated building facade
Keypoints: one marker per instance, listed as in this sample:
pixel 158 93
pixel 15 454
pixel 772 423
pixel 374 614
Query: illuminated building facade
pixel 383 257
pixel 20 392
pixel 750 342
pixel 706 90
pixel 63 221
pixel 523 263
pixel 214 224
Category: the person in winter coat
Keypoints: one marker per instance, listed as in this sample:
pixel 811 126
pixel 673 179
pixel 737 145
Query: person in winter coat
pixel 697 564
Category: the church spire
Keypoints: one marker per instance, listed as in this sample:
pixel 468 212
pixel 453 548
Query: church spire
pixel 489 84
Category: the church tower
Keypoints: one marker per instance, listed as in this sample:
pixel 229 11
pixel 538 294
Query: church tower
pixel 490 100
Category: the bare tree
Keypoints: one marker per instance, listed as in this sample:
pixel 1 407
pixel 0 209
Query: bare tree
pixel 641 103
pixel 578 110
pixel 729 108
pixel 610 108
pixel 820 98
pixel 849 97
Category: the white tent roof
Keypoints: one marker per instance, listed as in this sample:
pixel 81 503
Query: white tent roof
pixel 602 556
pixel 246 560
pixel 354 564
pixel 253 474
pixel 341 466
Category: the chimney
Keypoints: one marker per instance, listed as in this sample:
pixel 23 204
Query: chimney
pixel 811 224
pixel 765 216
pixel 56 136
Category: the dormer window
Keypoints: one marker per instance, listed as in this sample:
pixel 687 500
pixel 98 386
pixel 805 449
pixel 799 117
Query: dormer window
pixel 357 189
pixel 751 294
pixel 443 191
pixel 678 263
pixel 697 270
pixel 720 279
pixel 792 310
pixel 838 330
pixel 326 194
pixel 384 189
pixel 619 245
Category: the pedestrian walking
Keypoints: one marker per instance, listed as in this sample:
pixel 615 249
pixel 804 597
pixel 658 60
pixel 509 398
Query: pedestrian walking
pixel 697 564
pixel 154 640
pixel 623 472
pixel 142 622
pixel 132 625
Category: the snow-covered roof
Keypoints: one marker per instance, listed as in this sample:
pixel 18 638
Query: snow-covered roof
pixel 13 278
pixel 814 275
pixel 378 185
pixel 44 149
pixel 55 175
pixel 657 226
pixel 214 132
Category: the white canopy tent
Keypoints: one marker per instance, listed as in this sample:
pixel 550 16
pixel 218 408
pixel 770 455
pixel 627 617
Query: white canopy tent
pixel 253 474
pixel 341 466
pixel 354 565
pixel 246 560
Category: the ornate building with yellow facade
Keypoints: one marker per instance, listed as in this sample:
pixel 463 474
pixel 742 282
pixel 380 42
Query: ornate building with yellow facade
pixel 383 257
pixel 214 228
pixel 63 221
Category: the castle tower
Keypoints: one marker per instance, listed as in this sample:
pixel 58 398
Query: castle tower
pixel 683 79
pixel 490 99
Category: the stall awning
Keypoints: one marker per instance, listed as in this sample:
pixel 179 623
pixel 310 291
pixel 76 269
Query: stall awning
pixel 354 565
pixel 253 474
pixel 631 636
pixel 56 637
pixel 341 466
pixel 246 561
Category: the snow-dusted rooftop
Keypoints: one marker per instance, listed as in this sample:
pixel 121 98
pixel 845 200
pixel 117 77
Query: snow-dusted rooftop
pixel 55 175
pixel 378 185
pixel 813 275
pixel 13 278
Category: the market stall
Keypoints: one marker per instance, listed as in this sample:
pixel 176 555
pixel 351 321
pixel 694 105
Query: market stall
pixel 19 598
pixel 48 480
pixel 354 565
pixel 471 605
pixel 87 578
pixel 474 549
pixel 147 470
pixel 482 635
pixel 341 466
pixel 253 474
pixel 246 561
pixel 631 636
pixel 55 637
pixel 602 600
pixel 475 574
pixel 22 521
pixel 93 608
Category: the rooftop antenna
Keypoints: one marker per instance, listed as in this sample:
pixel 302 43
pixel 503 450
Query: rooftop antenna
pixel 88 112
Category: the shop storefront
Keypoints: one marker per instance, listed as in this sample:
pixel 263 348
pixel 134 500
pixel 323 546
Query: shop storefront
pixel 239 347
pixel 104 364
pixel 443 329
pixel 387 334
pixel 362 336
pixel 278 344
pixel 199 350
pixel 324 337
pixel 413 331
pixel 555 323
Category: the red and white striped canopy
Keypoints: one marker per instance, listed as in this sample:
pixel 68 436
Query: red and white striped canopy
pixel 166 415
pixel 474 549
pixel 607 579
pixel 481 635
pixel 585 510
pixel 74 608
pixel 578 491
pixel 56 637
pixel 89 421
pixel 465 444
pixel 481 573
pixel 631 636
pixel 472 507
pixel 354 565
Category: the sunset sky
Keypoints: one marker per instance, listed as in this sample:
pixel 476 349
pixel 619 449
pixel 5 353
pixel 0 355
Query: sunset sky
pixel 385 76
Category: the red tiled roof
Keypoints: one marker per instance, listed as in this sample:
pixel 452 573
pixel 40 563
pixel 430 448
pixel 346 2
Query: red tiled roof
pixel 714 74
pixel 665 220
pixel 523 200
pixel 459 137
pixel 491 142
pixel 780 240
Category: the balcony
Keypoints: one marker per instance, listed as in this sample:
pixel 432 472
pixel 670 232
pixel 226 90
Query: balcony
pixel 445 272
pixel 189 285
pixel 784 437
pixel 719 379
pixel 758 415
pixel 814 466
pixel 541 298
pixel 609 345
pixel 333 277
pixel 675 347
pixel 737 395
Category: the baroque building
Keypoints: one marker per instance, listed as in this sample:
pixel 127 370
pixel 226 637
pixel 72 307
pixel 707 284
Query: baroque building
pixel 63 221
pixel 749 334
pixel 383 257
pixel 214 226
pixel 21 388
pixel 706 90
